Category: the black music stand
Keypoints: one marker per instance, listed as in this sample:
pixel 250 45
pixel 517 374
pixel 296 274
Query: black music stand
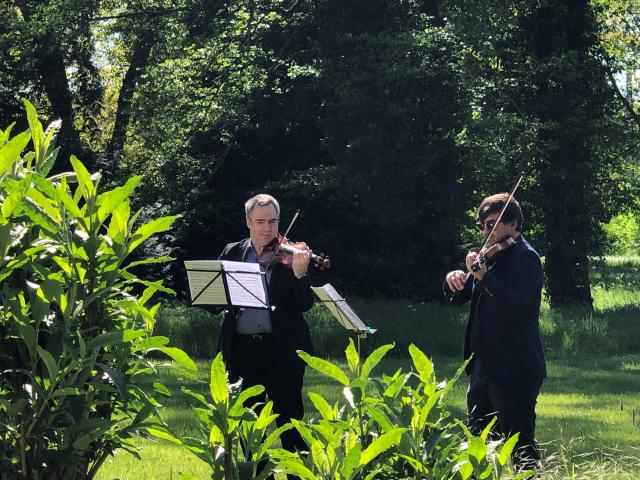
pixel 342 311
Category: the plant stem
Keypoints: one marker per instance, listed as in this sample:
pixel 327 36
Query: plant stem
pixel 23 458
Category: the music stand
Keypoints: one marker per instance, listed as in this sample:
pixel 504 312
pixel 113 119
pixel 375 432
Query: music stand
pixel 222 283
pixel 342 311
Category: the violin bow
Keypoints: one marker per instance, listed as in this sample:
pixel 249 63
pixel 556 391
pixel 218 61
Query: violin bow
pixel 275 250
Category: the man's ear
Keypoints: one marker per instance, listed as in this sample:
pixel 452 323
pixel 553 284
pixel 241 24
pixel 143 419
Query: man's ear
pixel 248 224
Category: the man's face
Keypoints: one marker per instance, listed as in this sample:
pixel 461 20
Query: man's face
pixel 501 231
pixel 263 225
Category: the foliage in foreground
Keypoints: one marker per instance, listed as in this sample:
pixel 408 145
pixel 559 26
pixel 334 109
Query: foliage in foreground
pixel 74 332
pixel 396 427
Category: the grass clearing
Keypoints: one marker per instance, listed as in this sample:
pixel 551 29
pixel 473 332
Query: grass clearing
pixel 586 410
pixel 585 420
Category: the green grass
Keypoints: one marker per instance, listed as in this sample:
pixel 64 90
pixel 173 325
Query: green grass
pixel 585 410
pixel 584 420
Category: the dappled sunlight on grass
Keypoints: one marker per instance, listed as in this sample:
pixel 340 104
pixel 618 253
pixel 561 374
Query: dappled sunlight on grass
pixel 585 411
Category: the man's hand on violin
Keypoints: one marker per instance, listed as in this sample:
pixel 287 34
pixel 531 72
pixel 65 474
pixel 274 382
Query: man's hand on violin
pixel 455 280
pixel 470 260
pixel 301 260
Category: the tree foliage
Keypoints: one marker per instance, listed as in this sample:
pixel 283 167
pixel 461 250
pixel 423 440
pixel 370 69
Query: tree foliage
pixel 384 121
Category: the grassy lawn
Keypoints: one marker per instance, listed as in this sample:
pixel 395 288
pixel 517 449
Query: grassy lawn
pixel 586 410
pixel 584 421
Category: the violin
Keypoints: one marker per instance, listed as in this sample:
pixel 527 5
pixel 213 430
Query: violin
pixel 281 250
pixel 489 255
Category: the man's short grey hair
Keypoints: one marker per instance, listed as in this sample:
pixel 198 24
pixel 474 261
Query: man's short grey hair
pixel 261 200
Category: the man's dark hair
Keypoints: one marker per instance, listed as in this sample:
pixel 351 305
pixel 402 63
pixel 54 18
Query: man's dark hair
pixel 494 204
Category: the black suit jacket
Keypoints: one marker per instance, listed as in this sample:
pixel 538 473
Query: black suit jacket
pixel 503 326
pixel 290 297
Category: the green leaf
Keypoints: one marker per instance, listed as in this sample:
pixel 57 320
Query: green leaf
pixel 39 219
pixel 11 203
pixel 321 405
pixel 507 449
pixel 28 334
pixel 218 381
pixel 131 334
pixel 325 367
pixel 117 378
pixel 60 195
pixel 149 261
pixel 423 365
pixel 372 360
pixel 164 435
pixel 50 363
pixel 293 467
pixel 65 392
pixel 151 343
pixel 179 356
pixel 248 393
pixel 4 135
pixel 381 444
pixel 477 448
pixel 37 134
pixel 188 476
pixel 119 223
pixel 5 239
pixel 51 289
pixel 46 205
pixel 10 151
pixel 160 388
pixel 487 430
pixel 109 201
pixel 145 231
pixel 49 160
pixel 104 339
pixel 353 359
pixel 85 440
pixel 351 461
pixel 85 184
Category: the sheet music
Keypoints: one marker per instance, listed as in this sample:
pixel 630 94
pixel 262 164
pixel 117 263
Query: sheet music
pixel 340 309
pixel 200 273
pixel 245 283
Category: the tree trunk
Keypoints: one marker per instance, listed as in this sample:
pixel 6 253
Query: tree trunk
pixel 568 103
pixel 139 60
pixel 51 68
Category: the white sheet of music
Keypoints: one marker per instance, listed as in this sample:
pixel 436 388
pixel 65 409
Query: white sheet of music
pixel 245 281
pixel 247 285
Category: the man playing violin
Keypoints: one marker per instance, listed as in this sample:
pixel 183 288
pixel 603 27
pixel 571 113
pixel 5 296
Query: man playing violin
pixel 260 346
pixel 508 364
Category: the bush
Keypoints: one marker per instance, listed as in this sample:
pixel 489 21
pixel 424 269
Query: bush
pixel 623 234
pixel 396 427
pixel 74 385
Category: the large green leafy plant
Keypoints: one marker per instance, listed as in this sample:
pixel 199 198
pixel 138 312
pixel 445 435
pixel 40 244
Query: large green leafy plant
pixel 75 321
pixel 395 427
pixel 238 438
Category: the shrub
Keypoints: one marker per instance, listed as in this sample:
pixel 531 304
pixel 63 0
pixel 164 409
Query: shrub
pixel 74 336
pixel 394 428
pixel 623 234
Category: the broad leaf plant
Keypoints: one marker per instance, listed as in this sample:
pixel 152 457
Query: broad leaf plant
pixel 76 322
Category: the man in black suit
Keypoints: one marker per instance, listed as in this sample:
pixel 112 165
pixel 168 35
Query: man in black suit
pixel 508 364
pixel 260 346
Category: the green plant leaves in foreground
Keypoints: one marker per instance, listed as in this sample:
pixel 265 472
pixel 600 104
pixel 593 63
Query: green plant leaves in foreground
pixel 77 382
